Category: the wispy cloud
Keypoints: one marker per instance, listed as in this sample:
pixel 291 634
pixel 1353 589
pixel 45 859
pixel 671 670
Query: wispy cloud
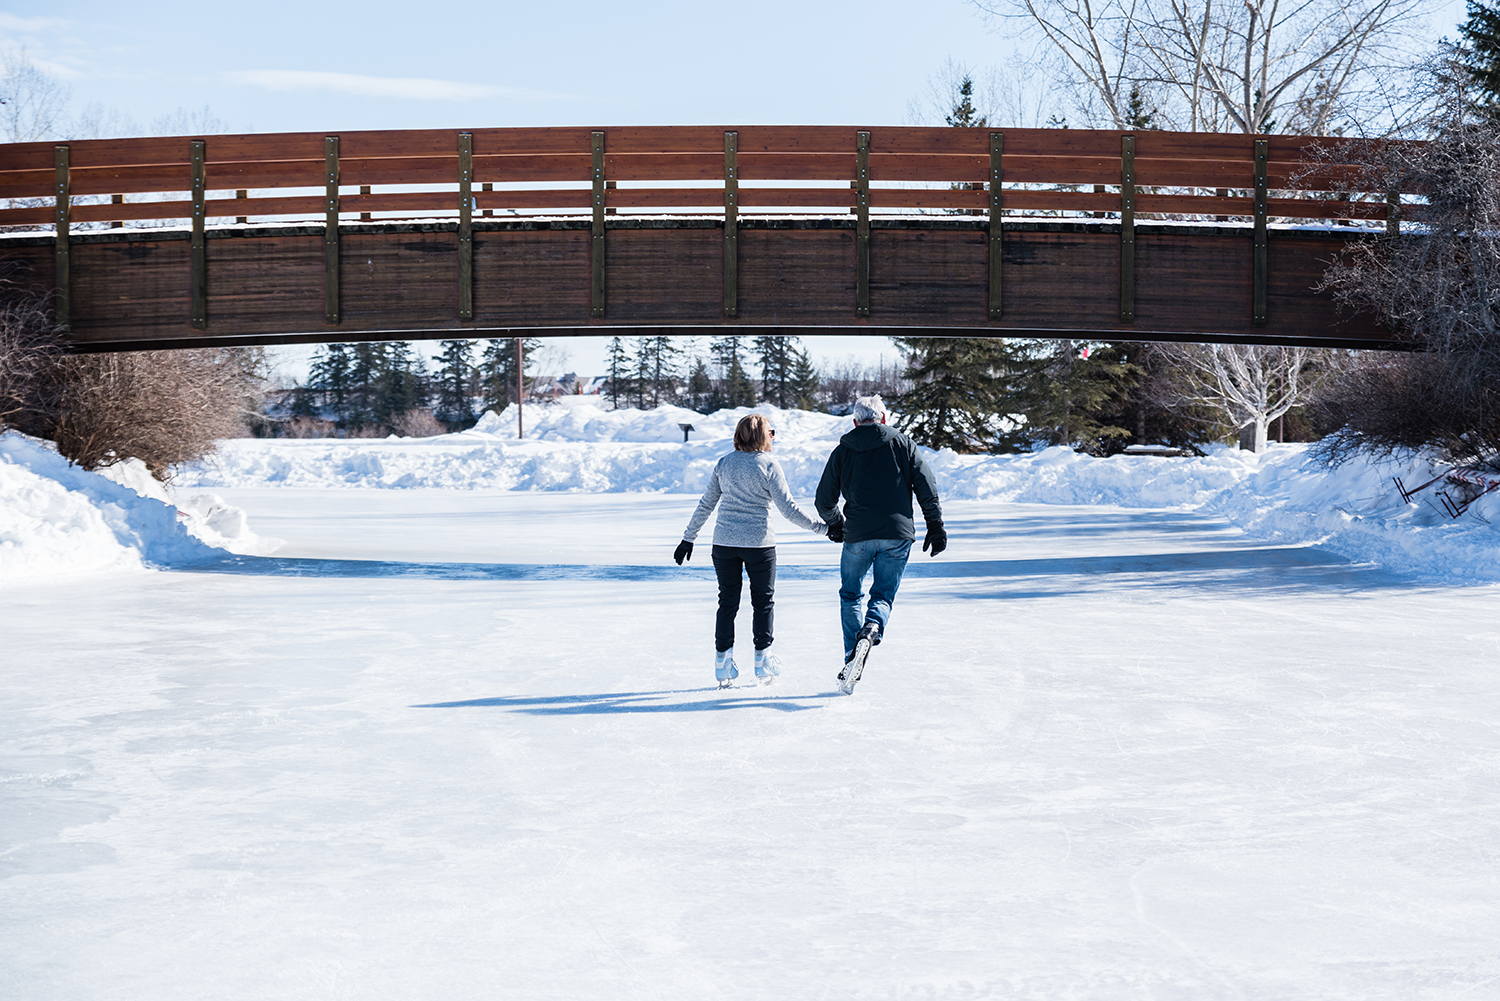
pixel 31 25
pixel 412 88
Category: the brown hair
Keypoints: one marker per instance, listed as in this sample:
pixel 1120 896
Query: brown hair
pixel 752 434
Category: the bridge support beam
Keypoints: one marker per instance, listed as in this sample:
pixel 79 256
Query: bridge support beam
pixel 596 308
pixel 62 239
pixel 1127 229
pixel 862 224
pixel 731 225
pixel 1258 315
pixel 198 279
pixel 466 226
pixel 331 229
pixel 997 224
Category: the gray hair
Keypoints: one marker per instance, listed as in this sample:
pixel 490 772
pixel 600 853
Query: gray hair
pixel 868 409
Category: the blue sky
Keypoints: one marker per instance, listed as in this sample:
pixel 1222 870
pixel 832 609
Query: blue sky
pixel 277 66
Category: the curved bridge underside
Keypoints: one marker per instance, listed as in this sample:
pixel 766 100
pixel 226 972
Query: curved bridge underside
pixel 1149 236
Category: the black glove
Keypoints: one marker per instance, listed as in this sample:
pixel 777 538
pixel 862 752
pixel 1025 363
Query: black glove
pixel 684 552
pixel 937 538
pixel 836 532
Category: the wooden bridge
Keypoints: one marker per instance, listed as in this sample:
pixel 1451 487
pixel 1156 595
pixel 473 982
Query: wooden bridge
pixel 279 238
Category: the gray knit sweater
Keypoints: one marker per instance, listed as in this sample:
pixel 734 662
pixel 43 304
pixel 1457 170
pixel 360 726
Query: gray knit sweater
pixel 745 485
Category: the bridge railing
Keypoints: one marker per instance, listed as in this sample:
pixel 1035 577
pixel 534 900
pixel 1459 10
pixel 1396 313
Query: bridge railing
pixel 673 170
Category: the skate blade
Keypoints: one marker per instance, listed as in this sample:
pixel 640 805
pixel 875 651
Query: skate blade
pixel 849 677
pixel 726 683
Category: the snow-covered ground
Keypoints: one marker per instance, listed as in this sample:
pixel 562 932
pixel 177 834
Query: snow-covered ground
pixel 1142 741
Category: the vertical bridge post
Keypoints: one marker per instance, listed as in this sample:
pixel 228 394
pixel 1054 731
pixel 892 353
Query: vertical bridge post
pixel 1127 229
pixel 331 229
pixel 862 224
pixel 1259 311
pixel 731 225
pixel 61 238
pixel 997 226
pixel 198 281
pixel 597 259
pixel 466 226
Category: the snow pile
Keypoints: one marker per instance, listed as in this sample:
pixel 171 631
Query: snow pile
pixel 57 519
pixel 1280 495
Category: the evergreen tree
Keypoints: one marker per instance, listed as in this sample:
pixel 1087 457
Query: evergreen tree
pixel 454 404
pixel 330 379
pixel 700 388
pixel 1138 114
pixel 620 369
pixel 958 385
pixel 367 368
pixel 642 373
pixel 735 387
pixel 963 114
pixel 402 384
pixel 497 370
pixel 664 368
pixel 1068 390
pixel 805 382
pixel 777 354
pixel 1481 50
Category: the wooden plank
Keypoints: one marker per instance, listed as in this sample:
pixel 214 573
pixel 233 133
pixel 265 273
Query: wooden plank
pixel 61 239
pixel 731 224
pixel 862 225
pixel 651 139
pixel 331 229
pixel 597 305
pixel 465 226
pixel 198 277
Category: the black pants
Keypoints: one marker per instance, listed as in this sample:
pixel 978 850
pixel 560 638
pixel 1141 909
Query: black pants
pixel 760 564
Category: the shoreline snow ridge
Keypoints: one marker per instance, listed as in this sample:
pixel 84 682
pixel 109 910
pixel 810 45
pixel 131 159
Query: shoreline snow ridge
pixel 59 520
pixel 56 519
pixel 1281 495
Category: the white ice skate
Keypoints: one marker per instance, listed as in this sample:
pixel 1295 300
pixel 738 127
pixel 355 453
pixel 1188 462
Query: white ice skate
pixel 724 669
pixel 767 666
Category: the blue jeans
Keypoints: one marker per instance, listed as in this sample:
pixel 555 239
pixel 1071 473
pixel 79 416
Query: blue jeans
pixel 888 557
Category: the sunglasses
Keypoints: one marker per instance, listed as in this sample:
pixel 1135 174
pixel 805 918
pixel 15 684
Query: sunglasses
pixel 773 432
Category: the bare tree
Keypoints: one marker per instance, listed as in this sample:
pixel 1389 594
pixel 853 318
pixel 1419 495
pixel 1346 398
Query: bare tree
pixel 32 102
pixel 1226 67
pixel 1249 384
pixel 1435 286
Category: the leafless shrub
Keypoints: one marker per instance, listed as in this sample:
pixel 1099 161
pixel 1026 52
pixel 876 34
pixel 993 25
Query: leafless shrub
pixel 308 427
pixel 29 348
pixel 1436 286
pixel 162 407
pixel 418 422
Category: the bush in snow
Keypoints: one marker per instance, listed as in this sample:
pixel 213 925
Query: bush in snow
pixel 1436 284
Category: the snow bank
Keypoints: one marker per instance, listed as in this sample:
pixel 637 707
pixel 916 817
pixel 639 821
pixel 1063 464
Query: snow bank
pixel 1280 495
pixel 57 519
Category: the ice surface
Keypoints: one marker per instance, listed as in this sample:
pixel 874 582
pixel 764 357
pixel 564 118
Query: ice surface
pixel 1132 736
pixel 467 744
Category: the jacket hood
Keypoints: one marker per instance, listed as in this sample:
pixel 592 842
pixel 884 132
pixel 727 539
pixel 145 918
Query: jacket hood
pixel 868 436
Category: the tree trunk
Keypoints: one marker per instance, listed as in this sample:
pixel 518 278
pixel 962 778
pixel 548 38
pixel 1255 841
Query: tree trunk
pixel 1253 436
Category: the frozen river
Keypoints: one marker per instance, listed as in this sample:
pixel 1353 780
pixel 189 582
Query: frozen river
pixel 467 745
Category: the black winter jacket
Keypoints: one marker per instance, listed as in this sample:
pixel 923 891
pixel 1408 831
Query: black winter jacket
pixel 877 469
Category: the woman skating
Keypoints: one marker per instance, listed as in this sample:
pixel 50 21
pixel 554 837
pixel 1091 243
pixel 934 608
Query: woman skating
pixel 744 485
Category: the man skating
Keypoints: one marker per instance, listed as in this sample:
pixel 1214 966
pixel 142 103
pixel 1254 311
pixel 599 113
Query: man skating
pixel 876 469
